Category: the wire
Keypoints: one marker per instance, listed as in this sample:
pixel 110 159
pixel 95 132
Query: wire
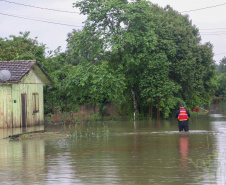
pixel 39 20
pixel 78 12
pixel 45 19
pixel 204 8
pixel 213 34
pixel 34 19
pixel 220 54
pixel 214 29
pixel 40 7
pixel 82 26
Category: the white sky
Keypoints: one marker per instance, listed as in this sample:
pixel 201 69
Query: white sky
pixel 211 21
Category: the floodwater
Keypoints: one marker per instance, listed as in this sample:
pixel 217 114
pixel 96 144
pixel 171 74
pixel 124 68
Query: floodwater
pixel 133 153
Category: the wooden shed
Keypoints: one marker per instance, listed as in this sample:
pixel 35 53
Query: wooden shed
pixel 21 97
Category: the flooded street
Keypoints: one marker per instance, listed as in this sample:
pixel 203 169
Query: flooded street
pixel 144 152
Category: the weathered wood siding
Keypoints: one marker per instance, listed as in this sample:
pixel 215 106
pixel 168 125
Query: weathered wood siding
pixel 29 85
pixel 11 104
pixel 32 118
pixel 5 106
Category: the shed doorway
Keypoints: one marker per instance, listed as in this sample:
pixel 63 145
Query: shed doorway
pixel 24 109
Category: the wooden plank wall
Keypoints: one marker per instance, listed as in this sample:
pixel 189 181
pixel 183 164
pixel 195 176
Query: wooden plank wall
pixel 10 102
pixel 6 106
pixel 32 118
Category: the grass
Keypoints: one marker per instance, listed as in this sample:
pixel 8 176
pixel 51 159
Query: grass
pixel 79 132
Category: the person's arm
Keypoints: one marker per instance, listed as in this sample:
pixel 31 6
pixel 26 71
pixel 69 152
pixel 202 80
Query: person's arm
pixel 177 114
pixel 187 111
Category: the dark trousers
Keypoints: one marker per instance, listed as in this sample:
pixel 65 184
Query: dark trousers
pixel 183 125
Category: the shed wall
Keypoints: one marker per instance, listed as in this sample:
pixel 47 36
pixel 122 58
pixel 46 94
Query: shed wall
pixel 5 106
pixel 31 78
pixel 33 118
pixel 11 102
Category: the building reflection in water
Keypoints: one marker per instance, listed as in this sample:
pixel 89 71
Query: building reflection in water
pixel 21 161
pixel 6 132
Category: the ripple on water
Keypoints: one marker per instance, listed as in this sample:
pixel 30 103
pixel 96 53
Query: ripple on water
pixel 170 132
pixel 217 115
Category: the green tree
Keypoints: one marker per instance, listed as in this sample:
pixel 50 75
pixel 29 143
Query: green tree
pixel 83 47
pixel 92 81
pixel 157 50
pixel 56 67
pixel 21 48
pixel 125 31
pixel 191 63
pixel 95 84
pixel 222 66
pixel 221 79
pixel 157 90
pixel 221 91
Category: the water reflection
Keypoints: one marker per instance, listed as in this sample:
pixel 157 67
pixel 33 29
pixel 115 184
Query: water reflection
pixel 22 161
pixel 141 152
pixel 220 126
pixel 184 149
pixel 6 132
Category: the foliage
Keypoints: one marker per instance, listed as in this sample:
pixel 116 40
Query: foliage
pixel 221 91
pixel 222 66
pixel 58 70
pixel 125 31
pixel 221 81
pixel 191 66
pixel 142 58
pixel 82 47
pixel 95 84
pixel 158 51
pixel 21 48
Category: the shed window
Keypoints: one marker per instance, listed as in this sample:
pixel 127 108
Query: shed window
pixel 35 100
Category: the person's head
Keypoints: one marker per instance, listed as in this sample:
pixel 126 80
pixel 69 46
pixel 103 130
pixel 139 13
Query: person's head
pixel 181 105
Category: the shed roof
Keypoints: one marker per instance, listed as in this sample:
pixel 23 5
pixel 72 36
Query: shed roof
pixel 19 68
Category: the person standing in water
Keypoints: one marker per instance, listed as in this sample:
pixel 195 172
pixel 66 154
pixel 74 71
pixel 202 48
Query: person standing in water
pixel 182 115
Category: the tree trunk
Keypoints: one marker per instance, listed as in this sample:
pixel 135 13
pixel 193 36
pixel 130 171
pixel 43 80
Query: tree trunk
pixel 158 109
pixel 134 104
pixel 150 109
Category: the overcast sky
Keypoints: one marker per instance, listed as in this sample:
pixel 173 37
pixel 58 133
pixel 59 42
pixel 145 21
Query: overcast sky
pixel 208 15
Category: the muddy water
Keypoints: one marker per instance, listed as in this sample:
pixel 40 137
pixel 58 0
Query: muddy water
pixel 144 152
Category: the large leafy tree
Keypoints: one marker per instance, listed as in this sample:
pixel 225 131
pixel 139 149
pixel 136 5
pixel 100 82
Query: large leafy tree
pixel 126 37
pixel 95 84
pixel 157 50
pixel 191 62
pixel 157 90
pixel 91 81
pixel 83 47
pixel 56 67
